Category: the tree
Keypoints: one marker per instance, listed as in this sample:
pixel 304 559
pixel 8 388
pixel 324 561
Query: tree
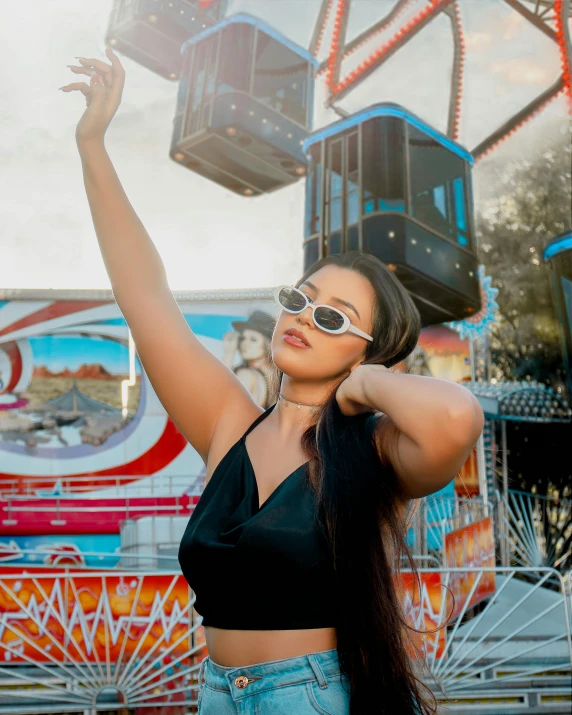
pixel 523 204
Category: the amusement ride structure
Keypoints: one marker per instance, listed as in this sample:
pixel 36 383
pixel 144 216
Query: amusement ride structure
pixel 381 179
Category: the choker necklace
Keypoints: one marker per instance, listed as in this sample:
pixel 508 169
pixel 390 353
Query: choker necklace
pixel 299 404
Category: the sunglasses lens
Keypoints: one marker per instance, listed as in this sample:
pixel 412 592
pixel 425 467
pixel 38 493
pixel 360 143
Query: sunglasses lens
pixel 329 319
pixel 291 299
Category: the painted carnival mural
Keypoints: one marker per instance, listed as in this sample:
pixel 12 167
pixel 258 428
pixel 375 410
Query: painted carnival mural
pixel 71 406
pixel 79 420
pixel 78 415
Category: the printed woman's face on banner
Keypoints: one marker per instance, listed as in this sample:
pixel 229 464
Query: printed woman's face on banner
pixel 251 344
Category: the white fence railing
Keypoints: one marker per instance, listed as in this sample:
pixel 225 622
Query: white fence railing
pixel 515 646
pixel 535 530
pixel 95 641
pixel 105 486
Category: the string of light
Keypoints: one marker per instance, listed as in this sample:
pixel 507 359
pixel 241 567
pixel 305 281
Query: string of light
pixel 565 60
pixel 457 19
pixel 431 9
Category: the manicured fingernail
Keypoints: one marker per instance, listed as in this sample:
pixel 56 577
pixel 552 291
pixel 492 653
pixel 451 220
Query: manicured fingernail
pixel 61 87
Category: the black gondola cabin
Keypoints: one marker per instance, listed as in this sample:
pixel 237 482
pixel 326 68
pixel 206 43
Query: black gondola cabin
pixel 385 182
pixel 244 107
pixel 151 32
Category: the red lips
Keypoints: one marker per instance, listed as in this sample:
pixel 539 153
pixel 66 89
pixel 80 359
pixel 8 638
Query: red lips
pixel 297 334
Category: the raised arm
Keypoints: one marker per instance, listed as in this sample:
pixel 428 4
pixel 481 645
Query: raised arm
pixel 194 386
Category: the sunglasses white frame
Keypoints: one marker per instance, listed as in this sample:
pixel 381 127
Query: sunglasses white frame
pixel 347 326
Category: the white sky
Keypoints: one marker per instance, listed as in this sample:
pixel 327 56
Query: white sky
pixel 207 236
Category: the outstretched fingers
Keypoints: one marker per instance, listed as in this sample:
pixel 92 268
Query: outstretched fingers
pixel 115 70
pixel 116 65
pixel 118 74
pixel 105 78
pixel 90 65
pixel 96 64
pixel 82 86
pixel 81 70
pixel 111 76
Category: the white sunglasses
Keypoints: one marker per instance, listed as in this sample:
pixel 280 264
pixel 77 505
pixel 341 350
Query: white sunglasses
pixel 326 317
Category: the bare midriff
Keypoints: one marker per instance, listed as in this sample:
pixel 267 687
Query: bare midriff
pixel 237 648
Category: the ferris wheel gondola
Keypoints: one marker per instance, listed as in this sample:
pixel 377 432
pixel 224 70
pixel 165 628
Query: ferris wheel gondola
pixel 558 256
pixel 151 32
pixel 384 181
pixel 244 106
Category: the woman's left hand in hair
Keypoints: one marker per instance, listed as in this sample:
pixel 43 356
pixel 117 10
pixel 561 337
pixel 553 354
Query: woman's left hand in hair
pixel 348 391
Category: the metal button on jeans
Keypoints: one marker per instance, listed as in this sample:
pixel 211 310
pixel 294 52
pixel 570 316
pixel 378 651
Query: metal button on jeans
pixel 242 681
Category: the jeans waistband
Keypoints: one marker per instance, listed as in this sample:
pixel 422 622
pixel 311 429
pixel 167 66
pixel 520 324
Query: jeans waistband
pixel 242 681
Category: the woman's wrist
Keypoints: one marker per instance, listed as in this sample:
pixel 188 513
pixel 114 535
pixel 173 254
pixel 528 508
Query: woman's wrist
pixel 362 378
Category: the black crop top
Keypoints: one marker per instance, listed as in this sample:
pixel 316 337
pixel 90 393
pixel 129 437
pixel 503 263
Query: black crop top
pixel 258 569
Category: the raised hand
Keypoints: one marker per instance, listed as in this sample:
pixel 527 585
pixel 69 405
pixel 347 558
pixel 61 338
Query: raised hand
pixel 230 342
pixel 102 95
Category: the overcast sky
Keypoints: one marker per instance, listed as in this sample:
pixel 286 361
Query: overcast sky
pixel 207 236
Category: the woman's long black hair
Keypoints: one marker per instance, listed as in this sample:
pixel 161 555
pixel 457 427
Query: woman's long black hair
pixel 359 508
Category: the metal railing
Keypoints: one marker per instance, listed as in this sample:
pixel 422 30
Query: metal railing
pixel 567 580
pixel 517 645
pixel 118 639
pixel 530 530
pixel 59 507
pixel 136 485
pixel 97 641
pixel 535 530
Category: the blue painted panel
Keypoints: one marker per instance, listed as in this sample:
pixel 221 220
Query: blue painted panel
pixel 558 245
pixel 211 326
pixel 51 550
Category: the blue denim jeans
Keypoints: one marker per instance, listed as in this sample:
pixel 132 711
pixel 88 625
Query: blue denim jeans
pixel 301 685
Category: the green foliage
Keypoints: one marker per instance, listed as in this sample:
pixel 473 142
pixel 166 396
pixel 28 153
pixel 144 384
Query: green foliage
pixel 522 205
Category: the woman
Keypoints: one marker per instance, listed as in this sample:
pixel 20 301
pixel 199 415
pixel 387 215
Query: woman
pixel 292 546
pixel 252 340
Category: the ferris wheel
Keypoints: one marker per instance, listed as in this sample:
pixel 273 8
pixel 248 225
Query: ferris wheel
pixel 380 179
pixel 154 32
pixel 345 64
